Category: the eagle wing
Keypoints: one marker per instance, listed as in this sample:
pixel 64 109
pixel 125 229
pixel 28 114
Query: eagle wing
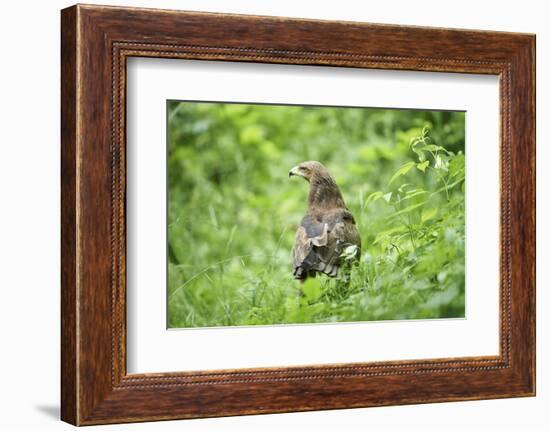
pixel 320 240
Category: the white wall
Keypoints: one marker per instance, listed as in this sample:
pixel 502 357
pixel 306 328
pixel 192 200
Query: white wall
pixel 29 214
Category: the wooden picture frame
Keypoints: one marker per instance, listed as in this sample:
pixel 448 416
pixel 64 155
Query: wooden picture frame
pixel 95 43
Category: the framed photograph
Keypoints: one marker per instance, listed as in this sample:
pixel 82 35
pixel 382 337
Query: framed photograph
pixel 264 215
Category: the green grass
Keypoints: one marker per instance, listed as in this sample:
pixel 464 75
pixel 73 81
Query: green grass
pixel 233 213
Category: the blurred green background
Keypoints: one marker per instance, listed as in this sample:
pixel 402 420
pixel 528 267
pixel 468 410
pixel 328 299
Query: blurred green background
pixel 233 212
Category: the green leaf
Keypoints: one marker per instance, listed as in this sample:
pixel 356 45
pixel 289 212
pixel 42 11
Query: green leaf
pixel 419 153
pixel 456 165
pixel 373 197
pixel 402 171
pixel 422 166
pixel 428 214
pixel 387 197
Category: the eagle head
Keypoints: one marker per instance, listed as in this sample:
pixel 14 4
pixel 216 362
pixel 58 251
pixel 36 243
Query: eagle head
pixel 308 170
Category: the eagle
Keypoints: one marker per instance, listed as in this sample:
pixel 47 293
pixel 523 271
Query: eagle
pixel 326 230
